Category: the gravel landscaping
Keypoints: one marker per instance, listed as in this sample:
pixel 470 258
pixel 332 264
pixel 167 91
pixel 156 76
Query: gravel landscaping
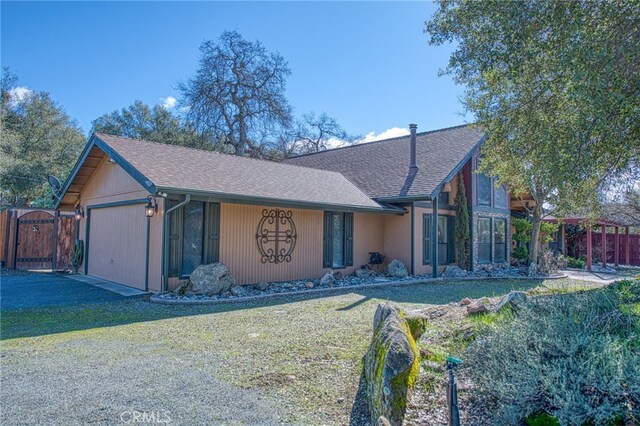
pixel 290 360
pixel 285 287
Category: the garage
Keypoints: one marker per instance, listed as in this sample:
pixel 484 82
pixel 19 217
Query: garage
pixel 116 244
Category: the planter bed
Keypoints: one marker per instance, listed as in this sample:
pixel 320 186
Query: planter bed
pixel 302 287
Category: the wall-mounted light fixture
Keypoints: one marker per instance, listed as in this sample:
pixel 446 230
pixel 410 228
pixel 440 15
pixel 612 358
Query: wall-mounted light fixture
pixel 151 207
pixel 79 212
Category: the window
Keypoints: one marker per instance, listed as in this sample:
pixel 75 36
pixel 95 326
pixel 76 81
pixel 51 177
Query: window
pixel 484 190
pixel 446 250
pixel 193 227
pixel 500 240
pixel 484 240
pixel 426 239
pixel 442 240
pixel 338 240
pixel 500 195
pixel 193 237
pixel 443 199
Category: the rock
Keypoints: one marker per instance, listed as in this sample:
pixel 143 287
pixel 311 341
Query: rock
pixel 183 289
pixel 513 299
pixel 337 275
pixel 211 279
pixel 239 290
pixel 432 365
pixel 328 279
pixel 365 273
pixel 262 286
pixel 466 301
pixel 454 272
pixel 382 421
pixel 391 364
pixel 533 270
pixel 397 269
pixel 480 306
pixel 308 284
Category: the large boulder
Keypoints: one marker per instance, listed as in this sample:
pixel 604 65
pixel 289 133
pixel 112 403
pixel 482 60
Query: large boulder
pixel 454 272
pixel 211 279
pixel 513 299
pixel 480 306
pixel 392 362
pixel 397 269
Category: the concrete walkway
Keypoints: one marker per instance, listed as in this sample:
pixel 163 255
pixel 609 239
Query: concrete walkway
pixel 120 289
pixel 599 277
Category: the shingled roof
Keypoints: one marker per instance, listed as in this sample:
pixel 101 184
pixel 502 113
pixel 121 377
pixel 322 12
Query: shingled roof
pixel 380 168
pixel 170 168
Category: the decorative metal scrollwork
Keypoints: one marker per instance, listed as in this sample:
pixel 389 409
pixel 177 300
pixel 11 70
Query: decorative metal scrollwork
pixel 276 236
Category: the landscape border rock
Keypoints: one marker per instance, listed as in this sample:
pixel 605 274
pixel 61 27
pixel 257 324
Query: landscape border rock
pixel 173 299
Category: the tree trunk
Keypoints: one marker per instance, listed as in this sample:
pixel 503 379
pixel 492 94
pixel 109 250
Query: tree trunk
pixel 242 142
pixel 536 220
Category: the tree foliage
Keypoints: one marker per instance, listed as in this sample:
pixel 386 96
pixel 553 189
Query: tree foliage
pixel 38 139
pixel 462 225
pixel 152 123
pixel 238 94
pixel 555 85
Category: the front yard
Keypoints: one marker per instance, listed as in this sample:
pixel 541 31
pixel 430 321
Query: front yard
pixel 274 362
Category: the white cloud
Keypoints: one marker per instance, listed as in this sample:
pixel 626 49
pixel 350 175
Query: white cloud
pixel 19 93
pixel 169 102
pixel 393 132
pixel 335 143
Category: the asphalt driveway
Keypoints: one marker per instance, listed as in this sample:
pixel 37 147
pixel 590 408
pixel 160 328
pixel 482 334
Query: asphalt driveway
pixel 26 291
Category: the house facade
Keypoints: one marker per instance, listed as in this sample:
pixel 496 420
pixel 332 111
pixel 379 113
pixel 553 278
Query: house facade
pixel 150 213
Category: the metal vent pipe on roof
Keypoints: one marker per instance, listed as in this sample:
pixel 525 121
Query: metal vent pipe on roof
pixel 413 167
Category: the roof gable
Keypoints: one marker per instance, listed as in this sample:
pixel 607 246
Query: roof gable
pixel 380 168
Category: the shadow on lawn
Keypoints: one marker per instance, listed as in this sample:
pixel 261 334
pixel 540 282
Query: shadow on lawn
pixel 113 311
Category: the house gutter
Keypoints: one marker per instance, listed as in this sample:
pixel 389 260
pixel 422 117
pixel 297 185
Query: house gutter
pixel 165 265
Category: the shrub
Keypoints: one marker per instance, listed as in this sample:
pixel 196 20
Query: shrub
pixel 574 357
pixel 520 253
pixel 576 263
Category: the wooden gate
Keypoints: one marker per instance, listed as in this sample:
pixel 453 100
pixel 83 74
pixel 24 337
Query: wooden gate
pixel 37 239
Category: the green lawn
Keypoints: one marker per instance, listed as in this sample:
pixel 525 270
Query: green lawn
pixel 302 357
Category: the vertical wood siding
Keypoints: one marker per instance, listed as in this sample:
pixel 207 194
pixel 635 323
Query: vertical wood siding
pixel 239 251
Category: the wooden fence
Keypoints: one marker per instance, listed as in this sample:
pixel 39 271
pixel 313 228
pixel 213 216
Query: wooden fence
pixel 596 244
pixel 36 239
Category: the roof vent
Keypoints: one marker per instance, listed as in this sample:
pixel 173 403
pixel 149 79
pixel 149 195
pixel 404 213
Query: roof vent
pixel 413 167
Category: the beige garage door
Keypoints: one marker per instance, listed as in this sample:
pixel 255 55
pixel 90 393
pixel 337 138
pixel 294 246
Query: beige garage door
pixel 117 244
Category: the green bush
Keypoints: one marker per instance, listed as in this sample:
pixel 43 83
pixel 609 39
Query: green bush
pixel 578 263
pixel 520 253
pixel 575 357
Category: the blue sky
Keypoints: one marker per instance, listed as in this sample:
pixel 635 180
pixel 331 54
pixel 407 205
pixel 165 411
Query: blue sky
pixel 367 64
